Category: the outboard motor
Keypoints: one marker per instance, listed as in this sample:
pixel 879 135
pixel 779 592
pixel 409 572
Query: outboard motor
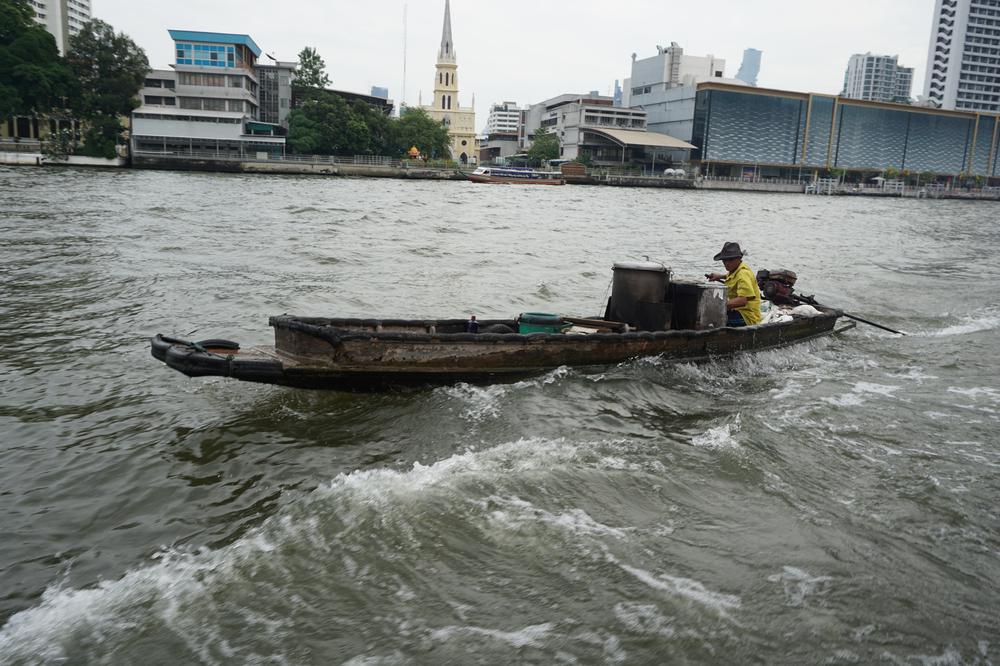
pixel 639 295
pixel 777 286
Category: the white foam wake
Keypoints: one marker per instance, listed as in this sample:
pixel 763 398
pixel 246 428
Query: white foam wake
pixel 982 321
pixel 181 590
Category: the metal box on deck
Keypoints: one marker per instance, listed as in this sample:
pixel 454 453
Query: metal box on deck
pixel 698 305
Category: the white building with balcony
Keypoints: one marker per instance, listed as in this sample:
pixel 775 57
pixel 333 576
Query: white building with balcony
pixel 62 18
pixel 963 58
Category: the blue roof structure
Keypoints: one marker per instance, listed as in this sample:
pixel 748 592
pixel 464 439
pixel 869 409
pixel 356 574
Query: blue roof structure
pixel 215 38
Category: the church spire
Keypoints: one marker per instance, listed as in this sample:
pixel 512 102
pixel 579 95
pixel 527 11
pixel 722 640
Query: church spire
pixel 447 51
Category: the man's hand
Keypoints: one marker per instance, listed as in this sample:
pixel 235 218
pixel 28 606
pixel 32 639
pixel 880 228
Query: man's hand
pixel 715 277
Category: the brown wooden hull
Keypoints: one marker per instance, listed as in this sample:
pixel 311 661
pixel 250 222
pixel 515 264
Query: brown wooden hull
pixel 352 354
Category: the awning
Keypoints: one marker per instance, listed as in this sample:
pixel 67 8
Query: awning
pixel 636 138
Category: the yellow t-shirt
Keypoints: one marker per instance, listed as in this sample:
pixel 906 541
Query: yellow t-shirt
pixel 742 282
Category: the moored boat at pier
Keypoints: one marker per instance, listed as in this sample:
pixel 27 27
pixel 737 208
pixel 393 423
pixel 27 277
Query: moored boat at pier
pixel 510 175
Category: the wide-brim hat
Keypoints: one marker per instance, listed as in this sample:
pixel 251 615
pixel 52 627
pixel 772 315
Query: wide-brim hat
pixel 729 251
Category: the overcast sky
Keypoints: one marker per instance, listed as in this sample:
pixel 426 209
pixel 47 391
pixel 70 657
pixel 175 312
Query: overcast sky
pixel 526 51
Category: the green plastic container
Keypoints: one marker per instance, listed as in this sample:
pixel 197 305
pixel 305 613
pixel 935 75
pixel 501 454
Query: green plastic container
pixel 540 322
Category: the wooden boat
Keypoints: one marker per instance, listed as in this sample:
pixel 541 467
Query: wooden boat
pixel 516 176
pixel 373 354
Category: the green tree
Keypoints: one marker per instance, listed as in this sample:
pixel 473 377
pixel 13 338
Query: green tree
pixel 544 146
pixel 311 72
pixel 33 78
pixel 416 128
pixel 110 69
pixel 325 125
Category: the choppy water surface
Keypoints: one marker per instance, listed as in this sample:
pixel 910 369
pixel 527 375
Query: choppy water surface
pixel 831 503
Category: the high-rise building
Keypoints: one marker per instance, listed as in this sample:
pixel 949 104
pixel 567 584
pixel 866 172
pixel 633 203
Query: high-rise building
pixel 963 58
pixel 62 18
pixel 877 78
pixel 460 121
pixel 503 119
pixel 750 67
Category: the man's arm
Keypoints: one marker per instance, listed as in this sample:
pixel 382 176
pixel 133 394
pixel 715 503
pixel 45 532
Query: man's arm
pixel 716 277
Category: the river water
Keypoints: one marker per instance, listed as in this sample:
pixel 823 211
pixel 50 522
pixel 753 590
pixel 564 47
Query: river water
pixel 834 502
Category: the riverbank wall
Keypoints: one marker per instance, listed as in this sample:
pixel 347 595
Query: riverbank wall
pixel 376 167
pixel 38 159
pixel 302 166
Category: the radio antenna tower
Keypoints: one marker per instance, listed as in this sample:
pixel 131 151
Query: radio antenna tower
pixel 402 102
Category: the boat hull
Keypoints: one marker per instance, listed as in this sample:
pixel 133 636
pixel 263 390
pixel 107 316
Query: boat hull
pixel 476 178
pixel 384 354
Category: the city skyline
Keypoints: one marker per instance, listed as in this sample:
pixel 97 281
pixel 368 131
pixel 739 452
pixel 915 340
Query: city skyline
pixel 530 55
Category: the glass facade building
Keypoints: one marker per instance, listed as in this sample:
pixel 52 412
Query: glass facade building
pixel 737 125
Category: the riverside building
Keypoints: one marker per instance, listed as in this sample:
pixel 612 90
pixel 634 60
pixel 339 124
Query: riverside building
pixel 209 103
pixel 460 121
pixel 500 139
pixel 62 18
pixel 664 87
pixel 877 78
pixel 963 59
pixel 779 133
pixel 592 127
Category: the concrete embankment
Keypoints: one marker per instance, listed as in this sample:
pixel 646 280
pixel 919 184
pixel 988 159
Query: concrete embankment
pixel 37 159
pixel 740 186
pixel 303 167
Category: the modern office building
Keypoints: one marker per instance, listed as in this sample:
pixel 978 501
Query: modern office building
pixel 592 126
pixel 877 78
pixel 460 121
pixel 750 67
pixel 275 91
pixel 963 58
pixel 62 18
pixel 208 103
pixel 781 133
pixel 664 87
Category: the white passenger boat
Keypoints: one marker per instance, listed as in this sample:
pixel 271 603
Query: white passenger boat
pixel 516 176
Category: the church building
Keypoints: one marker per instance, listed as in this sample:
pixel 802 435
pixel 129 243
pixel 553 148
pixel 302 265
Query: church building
pixel 460 121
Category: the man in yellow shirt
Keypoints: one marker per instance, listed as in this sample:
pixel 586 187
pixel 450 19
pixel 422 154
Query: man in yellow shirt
pixel 743 294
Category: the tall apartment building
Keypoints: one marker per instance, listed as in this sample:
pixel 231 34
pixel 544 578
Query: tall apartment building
pixel 963 58
pixel 62 18
pixel 877 78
